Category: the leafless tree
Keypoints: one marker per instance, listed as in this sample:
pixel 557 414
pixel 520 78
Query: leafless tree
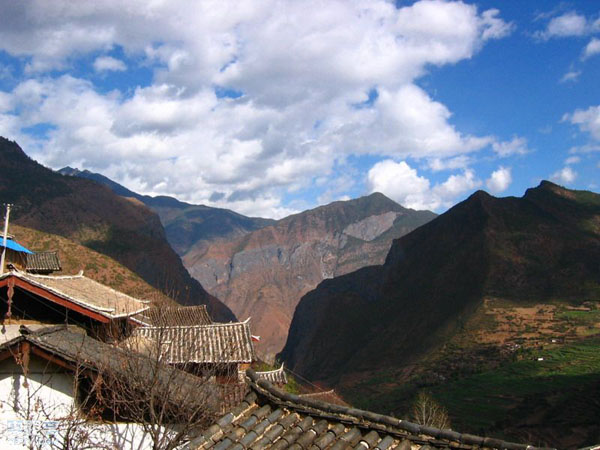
pixel 43 422
pixel 426 411
pixel 120 397
pixel 169 403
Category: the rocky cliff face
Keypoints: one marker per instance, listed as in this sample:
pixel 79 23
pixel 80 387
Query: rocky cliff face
pixel 94 216
pixel 263 274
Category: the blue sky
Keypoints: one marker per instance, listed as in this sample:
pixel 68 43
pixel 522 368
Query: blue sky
pixel 270 107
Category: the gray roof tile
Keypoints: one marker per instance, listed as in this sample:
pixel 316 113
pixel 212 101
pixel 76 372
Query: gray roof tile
pixel 283 421
pixel 173 316
pixel 215 343
pixel 42 262
pixel 85 292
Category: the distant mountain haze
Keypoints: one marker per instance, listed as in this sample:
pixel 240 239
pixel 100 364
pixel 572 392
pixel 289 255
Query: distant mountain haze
pixel 94 216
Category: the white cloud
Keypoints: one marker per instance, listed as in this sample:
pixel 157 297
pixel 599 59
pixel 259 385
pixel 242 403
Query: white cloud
pixel 104 63
pixel 301 66
pixel 572 75
pixel 567 24
pixel 573 160
pixel 402 183
pixel 588 120
pixel 499 180
pixel 516 146
pixel 591 49
pixel 457 162
pixel 5 102
pixel 565 176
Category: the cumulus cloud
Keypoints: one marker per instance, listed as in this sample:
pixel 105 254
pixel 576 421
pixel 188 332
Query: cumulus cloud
pixel 402 183
pixel 499 180
pixel 108 63
pixel 299 70
pixel 568 24
pixel 516 146
pixel 564 176
pixel 587 120
pixel 591 49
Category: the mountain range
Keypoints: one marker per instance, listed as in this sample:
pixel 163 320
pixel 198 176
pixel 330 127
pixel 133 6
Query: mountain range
pixel 94 216
pixel 489 282
pixel 264 273
pixel 260 268
pixel 186 225
pixel 493 307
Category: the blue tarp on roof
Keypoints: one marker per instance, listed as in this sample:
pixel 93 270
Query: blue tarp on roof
pixel 12 245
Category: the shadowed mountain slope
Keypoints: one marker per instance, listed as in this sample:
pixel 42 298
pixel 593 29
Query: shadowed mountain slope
pixel 95 217
pixel 185 224
pixel 75 257
pixel 543 246
pixel 490 281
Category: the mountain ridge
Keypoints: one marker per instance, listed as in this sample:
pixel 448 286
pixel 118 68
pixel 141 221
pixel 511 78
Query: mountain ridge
pixel 490 281
pixel 264 273
pixel 94 216
pixel 463 232
pixel 185 223
pixel 250 262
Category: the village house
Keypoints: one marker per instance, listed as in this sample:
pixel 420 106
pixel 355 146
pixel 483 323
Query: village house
pixel 103 312
pixel 23 259
pixel 61 386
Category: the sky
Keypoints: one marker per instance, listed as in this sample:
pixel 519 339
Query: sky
pixel 270 107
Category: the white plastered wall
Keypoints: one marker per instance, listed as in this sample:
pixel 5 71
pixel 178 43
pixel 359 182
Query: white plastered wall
pixel 36 410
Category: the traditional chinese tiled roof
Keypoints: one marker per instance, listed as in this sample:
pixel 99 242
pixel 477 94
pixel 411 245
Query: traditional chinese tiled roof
pixel 216 343
pixel 42 262
pixel 276 376
pixel 269 418
pixel 84 292
pixel 173 316
pixel 71 344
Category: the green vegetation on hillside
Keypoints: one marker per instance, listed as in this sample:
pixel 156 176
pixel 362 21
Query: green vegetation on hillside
pixel 543 384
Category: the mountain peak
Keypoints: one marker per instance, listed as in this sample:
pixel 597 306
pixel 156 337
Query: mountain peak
pixel 11 151
pixel 69 171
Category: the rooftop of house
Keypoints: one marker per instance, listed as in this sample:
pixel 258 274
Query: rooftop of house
pixel 276 376
pixel 43 262
pixel 71 345
pixel 11 244
pixel 214 343
pixel 172 316
pixel 81 291
pixel 269 418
